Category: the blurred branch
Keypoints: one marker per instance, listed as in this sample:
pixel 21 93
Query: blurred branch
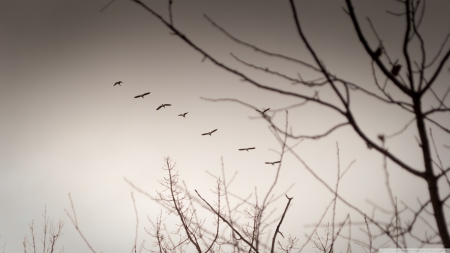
pixel 267 70
pixel 137 223
pixel 257 49
pixel 75 223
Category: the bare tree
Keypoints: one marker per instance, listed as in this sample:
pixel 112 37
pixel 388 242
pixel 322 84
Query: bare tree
pixel 50 235
pixel 193 234
pixel 189 228
pixel 407 81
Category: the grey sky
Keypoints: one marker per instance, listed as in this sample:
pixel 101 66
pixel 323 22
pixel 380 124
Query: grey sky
pixel 65 128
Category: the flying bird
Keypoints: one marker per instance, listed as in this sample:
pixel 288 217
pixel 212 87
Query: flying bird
pixel 118 83
pixel 273 163
pixel 246 149
pixel 142 95
pixel 162 105
pixel 263 110
pixel 183 115
pixel 209 133
pixel 396 69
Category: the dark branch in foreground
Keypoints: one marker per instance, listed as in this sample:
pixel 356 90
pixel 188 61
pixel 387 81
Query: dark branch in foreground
pixel 279 224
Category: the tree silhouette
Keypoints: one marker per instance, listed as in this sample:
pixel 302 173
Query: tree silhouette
pixel 191 232
pixel 416 81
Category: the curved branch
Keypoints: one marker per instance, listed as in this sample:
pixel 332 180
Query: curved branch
pixel 318 136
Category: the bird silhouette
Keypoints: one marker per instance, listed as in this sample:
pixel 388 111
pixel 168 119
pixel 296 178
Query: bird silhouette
pixel 246 149
pixel 118 83
pixel 142 95
pixel 396 69
pixel 162 105
pixel 183 115
pixel 263 110
pixel 379 52
pixel 209 133
pixel 273 163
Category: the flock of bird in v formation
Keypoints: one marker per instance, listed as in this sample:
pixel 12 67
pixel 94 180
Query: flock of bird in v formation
pixel 184 116
pixel 394 71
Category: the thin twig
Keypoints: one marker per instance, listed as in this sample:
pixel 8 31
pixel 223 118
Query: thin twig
pixel 75 223
pixel 137 223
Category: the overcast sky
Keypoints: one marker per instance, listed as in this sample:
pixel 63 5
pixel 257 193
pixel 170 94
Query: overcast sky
pixel 65 128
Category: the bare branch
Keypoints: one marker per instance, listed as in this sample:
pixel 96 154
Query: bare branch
pixel 75 223
pixel 227 222
pixel 441 48
pixel 106 6
pixel 267 70
pixel 257 49
pixel 170 12
pixel 279 224
pixel 137 223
